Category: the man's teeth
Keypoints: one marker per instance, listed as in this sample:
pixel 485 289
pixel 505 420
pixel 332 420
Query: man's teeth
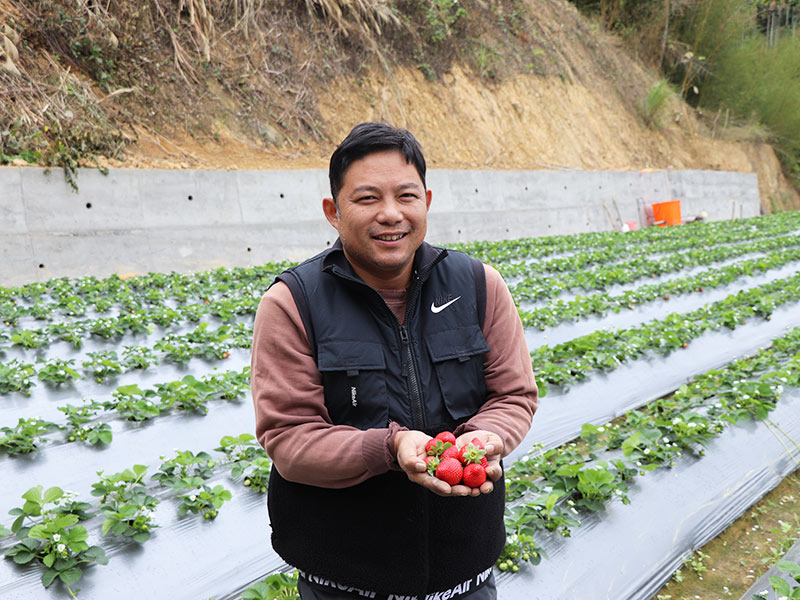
pixel 389 238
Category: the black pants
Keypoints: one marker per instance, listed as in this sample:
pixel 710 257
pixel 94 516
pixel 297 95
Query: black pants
pixel 486 591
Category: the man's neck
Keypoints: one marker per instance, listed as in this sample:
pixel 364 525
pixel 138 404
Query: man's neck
pixel 397 282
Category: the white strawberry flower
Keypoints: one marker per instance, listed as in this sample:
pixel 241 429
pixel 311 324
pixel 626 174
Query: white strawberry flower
pixel 56 537
pixel 61 548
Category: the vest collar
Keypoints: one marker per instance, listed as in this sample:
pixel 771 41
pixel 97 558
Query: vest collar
pixel 425 259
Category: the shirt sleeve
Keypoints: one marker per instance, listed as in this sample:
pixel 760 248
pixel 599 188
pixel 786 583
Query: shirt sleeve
pixel 292 422
pixel 511 393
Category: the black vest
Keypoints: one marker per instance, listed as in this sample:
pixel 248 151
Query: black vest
pixel 387 534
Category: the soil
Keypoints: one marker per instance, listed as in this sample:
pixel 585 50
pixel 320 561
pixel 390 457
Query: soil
pixel 729 564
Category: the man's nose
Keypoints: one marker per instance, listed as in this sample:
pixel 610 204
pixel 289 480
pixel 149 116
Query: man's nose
pixel 390 212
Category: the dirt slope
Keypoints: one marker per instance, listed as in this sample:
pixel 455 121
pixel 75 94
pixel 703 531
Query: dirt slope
pixel 551 91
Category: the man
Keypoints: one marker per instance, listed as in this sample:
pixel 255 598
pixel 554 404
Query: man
pixel 360 355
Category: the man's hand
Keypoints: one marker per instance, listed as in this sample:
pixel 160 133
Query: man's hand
pixel 410 451
pixel 494 452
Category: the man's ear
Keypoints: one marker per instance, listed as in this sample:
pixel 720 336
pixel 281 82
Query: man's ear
pixel 331 212
pixel 428 196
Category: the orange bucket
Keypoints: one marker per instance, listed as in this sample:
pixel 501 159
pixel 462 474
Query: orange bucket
pixel 667 213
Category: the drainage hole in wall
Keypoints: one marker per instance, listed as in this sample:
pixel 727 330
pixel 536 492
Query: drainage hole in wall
pixel 476 190
pixel 88 205
pixel 281 195
pixel 249 249
pixel 41 265
pixel 459 231
pixel 190 198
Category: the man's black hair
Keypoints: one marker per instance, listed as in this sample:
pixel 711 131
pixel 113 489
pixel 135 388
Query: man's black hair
pixel 366 138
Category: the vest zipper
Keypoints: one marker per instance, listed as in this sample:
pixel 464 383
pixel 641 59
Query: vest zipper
pixel 417 414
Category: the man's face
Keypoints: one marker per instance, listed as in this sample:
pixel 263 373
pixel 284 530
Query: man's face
pixel 381 217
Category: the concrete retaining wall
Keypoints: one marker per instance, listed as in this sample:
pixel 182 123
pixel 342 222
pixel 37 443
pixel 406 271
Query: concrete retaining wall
pixel 135 221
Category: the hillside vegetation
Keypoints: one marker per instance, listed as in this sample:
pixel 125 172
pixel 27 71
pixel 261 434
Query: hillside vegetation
pixel 242 84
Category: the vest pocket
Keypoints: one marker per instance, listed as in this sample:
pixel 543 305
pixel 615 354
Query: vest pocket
pixel 354 378
pixel 457 356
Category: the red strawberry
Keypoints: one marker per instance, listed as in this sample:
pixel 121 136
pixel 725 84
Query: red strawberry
pixel 450 452
pixel 449 471
pixel 477 442
pixel 474 475
pixel 446 436
pixel 470 453
pixel 436 447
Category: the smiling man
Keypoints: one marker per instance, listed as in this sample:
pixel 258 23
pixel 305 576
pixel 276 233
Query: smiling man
pixel 360 355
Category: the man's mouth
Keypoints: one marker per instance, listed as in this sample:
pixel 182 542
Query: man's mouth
pixel 392 237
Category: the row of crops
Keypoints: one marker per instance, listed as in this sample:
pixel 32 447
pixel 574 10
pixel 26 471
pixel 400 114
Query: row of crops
pixel 661 355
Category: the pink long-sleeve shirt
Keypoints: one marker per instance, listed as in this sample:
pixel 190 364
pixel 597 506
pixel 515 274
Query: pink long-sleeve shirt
pixel 292 422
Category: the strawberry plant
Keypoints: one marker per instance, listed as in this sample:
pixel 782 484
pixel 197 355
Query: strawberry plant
pixel 135 322
pixel 82 424
pixel 30 338
pixel 16 376
pixel 188 394
pixel 247 458
pixel 185 470
pixel 165 316
pixel 203 500
pixel 274 587
pixel 26 435
pixel 102 304
pixel 73 306
pixel 133 404
pixel 58 371
pixel 256 472
pixel 48 533
pixel 781 587
pixel 138 357
pixel 102 365
pixel 243 447
pixel 106 328
pixel 174 349
pixel 10 312
pixel 73 332
pixel 229 385
pixel 126 504
pixel 41 311
pixel 194 312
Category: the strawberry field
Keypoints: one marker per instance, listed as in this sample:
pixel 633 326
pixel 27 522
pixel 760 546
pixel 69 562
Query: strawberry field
pixel 668 361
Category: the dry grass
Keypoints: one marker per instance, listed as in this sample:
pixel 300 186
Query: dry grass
pixel 349 16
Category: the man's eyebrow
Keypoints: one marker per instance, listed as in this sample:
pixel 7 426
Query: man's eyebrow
pixel 374 188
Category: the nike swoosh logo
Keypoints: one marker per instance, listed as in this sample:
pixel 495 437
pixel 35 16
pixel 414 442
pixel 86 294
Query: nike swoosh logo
pixel 437 309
